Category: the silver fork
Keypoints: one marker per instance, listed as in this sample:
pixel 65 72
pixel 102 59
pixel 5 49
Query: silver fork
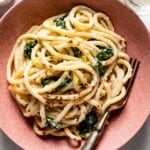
pixel 95 135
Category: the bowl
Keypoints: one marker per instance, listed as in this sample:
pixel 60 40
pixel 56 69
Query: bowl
pixel 125 124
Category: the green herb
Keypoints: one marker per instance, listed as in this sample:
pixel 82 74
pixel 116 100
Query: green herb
pixel 48 80
pixel 60 21
pixel 87 125
pixel 28 48
pixel 100 68
pixel 66 81
pixel 76 51
pixel 52 123
pixel 105 53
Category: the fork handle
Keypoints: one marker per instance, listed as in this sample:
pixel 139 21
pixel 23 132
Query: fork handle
pixel 95 135
pixel 92 140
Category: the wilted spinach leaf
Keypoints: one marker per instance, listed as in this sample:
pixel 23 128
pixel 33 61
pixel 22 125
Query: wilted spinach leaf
pixel 66 81
pixel 60 21
pixel 88 123
pixel 28 48
pixel 52 123
pixel 105 53
pixel 48 80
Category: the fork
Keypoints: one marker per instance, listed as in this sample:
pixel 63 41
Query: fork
pixel 95 135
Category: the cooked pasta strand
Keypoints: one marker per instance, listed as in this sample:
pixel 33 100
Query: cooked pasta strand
pixel 70 65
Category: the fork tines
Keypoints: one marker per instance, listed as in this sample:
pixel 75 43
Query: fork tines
pixel 135 65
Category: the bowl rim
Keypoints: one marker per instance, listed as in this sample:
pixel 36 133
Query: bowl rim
pixel 122 4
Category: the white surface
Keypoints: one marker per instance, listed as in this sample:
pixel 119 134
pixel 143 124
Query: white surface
pixel 140 142
pixel 139 6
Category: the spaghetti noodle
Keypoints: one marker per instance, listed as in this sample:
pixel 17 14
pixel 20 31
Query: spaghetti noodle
pixel 66 72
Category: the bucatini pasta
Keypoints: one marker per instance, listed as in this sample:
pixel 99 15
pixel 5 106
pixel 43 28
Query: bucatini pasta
pixel 67 71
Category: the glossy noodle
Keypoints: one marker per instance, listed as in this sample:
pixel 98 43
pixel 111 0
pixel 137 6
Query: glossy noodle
pixel 66 72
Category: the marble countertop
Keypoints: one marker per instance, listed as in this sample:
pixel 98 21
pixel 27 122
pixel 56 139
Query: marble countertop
pixel 141 141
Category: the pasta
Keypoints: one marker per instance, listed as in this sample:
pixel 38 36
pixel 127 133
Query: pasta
pixel 66 72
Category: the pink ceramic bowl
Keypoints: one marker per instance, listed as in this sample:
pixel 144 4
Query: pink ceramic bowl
pixel 124 125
